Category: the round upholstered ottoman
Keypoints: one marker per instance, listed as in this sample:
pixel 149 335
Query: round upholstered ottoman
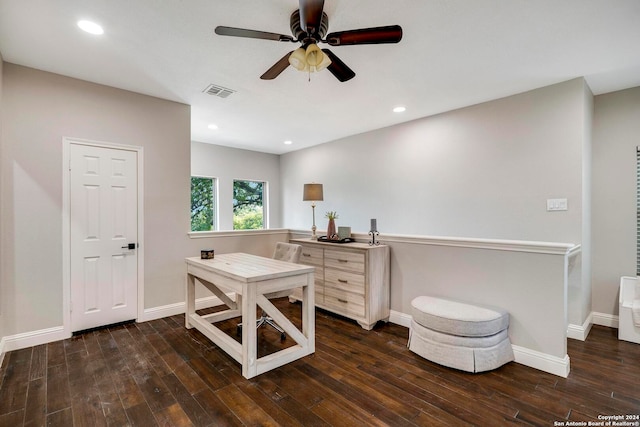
pixel 460 335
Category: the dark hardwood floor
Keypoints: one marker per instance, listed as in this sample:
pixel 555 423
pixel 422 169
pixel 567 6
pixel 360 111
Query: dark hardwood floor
pixel 159 373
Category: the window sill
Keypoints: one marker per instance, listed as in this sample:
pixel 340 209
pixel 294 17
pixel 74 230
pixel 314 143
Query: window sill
pixel 235 233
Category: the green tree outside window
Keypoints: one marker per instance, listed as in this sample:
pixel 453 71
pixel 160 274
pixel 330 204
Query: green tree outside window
pixel 202 204
pixel 248 206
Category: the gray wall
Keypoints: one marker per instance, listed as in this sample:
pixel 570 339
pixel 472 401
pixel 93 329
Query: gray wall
pixel 616 133
pixel 227 164
pixel 38 110
pixel 483 171
pixel 2 287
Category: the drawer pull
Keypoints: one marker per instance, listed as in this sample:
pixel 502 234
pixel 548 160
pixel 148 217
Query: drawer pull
pixel 343 281
pixel 343 260
pixel 303 254
pixel 342 300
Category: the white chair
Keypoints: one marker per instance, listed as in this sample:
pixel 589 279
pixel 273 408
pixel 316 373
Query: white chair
pixel 288 252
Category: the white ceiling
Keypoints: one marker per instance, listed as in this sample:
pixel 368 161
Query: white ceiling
pixel 454 53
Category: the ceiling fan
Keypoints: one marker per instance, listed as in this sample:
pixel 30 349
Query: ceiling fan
pixel 309 25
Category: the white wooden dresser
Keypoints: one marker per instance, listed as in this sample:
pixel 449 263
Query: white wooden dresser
pixel 351 279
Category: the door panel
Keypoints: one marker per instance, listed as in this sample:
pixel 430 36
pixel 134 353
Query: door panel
pixel 103 221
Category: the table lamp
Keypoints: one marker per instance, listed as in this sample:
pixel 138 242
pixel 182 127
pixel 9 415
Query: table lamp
pixel 312 193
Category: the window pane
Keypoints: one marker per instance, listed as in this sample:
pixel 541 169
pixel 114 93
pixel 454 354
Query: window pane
pixel 248 206
pixel 202 204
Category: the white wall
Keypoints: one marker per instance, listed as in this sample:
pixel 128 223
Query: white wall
pixel 581 313
pixel 482 171
pixel 227 164
pixel 38 110
pixel 616 133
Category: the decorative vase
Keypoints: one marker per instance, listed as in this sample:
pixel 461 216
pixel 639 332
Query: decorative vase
pixel 331 229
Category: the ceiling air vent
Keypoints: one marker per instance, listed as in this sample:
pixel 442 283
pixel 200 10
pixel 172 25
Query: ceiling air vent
pixel 219 91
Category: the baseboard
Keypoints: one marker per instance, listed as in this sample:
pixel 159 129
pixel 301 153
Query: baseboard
pixel 604 319
pixel 179 308
pixel 1 351
pixel 580 332
pixel 400 318
pixel 544 362
pixel 30 339
pixel 45 336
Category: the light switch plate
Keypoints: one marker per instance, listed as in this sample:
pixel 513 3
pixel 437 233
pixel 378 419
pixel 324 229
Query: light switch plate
pixel 556 205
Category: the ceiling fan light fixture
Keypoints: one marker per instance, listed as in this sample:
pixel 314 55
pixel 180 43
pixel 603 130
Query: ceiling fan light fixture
pixel 325 62
pixel 310 60
pixel 313 55
pixel 297 59
pixel 309 25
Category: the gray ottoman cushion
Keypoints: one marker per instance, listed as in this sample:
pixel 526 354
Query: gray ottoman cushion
pixel 473 342
pixel 458 318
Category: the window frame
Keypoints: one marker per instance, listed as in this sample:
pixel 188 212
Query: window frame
pixel 265 203
pixel 216 211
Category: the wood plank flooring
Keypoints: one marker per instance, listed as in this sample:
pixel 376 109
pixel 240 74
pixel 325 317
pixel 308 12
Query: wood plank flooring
pixel 159 373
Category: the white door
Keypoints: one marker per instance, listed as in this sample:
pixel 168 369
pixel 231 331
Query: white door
pixel 103 233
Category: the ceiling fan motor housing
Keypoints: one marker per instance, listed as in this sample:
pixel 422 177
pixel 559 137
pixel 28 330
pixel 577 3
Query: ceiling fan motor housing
pixel 302 36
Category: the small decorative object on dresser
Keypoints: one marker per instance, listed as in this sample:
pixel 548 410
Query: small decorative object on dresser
pixel 351 280
pixel 344 232
pixel 331 228
pixel 374 233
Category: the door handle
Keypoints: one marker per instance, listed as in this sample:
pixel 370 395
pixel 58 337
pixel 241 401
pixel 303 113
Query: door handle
pixel 130 246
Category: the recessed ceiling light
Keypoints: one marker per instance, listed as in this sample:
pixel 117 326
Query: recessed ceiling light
pixel 287 142
pixel 399 109
pixel 90 27
pixel 213 126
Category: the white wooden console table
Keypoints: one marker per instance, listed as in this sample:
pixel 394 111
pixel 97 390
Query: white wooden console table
pixel 250 277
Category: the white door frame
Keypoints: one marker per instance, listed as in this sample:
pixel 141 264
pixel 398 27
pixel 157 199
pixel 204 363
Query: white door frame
pixel 66 226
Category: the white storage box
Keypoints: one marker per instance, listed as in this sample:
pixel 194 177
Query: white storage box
pixel 629 290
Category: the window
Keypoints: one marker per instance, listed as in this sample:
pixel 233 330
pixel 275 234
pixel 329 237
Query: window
pixel 203 203
pixel 249 205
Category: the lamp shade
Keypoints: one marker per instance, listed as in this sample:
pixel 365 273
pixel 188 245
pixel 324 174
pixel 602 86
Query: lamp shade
pixel 324 64
pixel 312 192
pixel 297 59
pixel 313 55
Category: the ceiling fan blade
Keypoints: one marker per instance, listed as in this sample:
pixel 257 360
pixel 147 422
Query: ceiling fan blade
pixel 277 68
pixel 252 34
pixel 376 35
pixel 311 15
pixel 338 68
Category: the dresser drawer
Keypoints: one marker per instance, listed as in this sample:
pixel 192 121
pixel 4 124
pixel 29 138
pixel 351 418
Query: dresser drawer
pixel 349 261
pixel 344 280
pixel 312 256
pixel 319 294
pixel 343 302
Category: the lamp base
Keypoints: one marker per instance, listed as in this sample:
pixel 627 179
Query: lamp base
pixel 313 232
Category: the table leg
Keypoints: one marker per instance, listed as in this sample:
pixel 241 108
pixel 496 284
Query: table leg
pixel 249 333
pixel 309 313
pixel 190 299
